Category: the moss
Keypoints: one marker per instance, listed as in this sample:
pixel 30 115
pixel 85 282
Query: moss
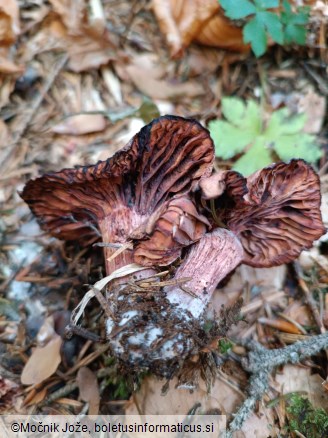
pixel 304 418
pixel 225 345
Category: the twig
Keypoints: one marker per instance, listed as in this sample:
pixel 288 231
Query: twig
pixel 33 108
pixel 309 298
pixel 71 386
pixel 260 364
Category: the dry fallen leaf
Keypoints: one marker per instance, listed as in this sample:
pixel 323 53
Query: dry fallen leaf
pixel 35 397
pixel 6 65
pixel 280 324
pixel 259 425
pixel 89 390
pixel 71 13
pixel 293 378
pixel 71 28
pixel 196 20
pixel 5 137
pixel 299 313
pixel 8 392
pixel 222 397
pixel 150 401
pixel 310 103
pixel 146 74
pixel 42 363
pixel 81 124
pixel 9 30
pixel 9 21
pixel 325 385
pixel 86 50
pixel 45 358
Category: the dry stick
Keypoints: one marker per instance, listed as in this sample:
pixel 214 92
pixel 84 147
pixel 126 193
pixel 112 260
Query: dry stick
pixel 71 386
pixel 33 108
pixel 260 364
pixel 309 298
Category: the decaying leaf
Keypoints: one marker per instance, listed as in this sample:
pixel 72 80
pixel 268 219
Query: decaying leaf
pixel 196 20
pixel 8 392
pixel 89 390
pixel 9 30
pixel 35 397
pixel 280 324
pixel 9 21
pixel 150 79
pixel 43 362
pixel 68 29
pixel 45 358
pixel 294 378
pixel 313 105
pixel 81 124
pixel 179 400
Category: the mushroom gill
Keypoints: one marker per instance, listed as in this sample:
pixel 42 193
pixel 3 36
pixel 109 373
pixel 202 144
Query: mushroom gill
pixel 275 212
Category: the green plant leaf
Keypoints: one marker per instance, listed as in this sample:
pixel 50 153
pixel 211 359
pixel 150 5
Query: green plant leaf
pixel 266 4
pixel 284 135
pixel 241 118
pixel 283 122
pixel 225 345
pixel 273 25
pixel 294 23
pixel 257 157
pixel 297 146
pixel 236 9
pixel 295 34
pixel 283 27
pixel 233 108
pixel 243 131
pixel 254 33
pixel 287 7
pixel 227 139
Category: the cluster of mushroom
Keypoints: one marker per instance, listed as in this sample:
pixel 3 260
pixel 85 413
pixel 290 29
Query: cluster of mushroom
pixel 159 199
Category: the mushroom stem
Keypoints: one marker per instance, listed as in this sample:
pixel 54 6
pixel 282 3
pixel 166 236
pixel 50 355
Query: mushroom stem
pixel 209 261
pixel 119 254
pixel 158 331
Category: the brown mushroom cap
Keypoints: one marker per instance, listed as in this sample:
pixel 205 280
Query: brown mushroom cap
pixel 116 196
pixel 279 216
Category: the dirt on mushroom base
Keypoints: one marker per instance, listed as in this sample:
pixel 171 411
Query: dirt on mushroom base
pixel 154 337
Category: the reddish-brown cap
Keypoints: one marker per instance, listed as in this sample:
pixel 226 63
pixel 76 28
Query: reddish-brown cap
pixel 116 196
pixel 279 216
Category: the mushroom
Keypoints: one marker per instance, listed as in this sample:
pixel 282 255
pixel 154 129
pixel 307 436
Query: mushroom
pixel 137 191
pixel 275 212
pixel 141 199
pixel 150 200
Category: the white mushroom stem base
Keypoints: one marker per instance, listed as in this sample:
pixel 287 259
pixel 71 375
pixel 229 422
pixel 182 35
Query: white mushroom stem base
pixel 209 261
pixel 159 329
